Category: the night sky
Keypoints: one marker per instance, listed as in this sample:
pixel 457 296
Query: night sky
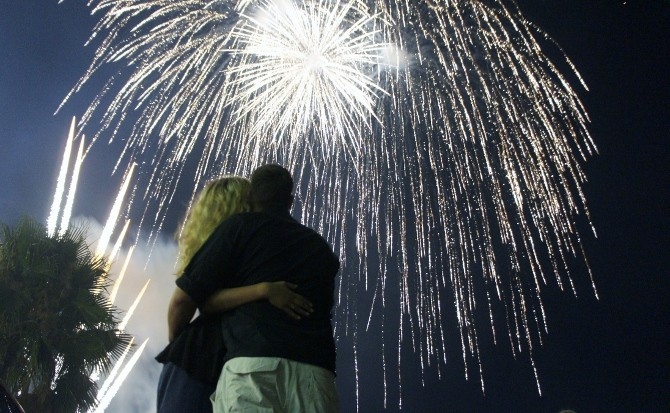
pixel 608 355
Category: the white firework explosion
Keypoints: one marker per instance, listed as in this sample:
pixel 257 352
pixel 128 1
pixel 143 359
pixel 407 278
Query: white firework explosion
pixel 302 72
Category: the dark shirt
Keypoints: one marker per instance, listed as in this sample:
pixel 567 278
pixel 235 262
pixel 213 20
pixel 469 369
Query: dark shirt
pixel 254 247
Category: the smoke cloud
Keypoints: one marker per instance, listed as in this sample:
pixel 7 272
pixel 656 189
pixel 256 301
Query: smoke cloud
pixel 149 320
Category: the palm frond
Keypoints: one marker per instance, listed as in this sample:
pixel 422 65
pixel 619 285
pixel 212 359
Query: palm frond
pixel 62 327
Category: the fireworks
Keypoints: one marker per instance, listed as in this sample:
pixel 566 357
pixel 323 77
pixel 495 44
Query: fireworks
pixel 57 214
pixel 302 71
pixel 52 221
pixel 435 144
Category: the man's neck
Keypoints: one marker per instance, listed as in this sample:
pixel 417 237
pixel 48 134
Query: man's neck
pixel 271 208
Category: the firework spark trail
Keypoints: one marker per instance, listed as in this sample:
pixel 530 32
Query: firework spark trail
pixel 108 229
pixel 69 203
pixel 133 306
pixel 435 138
pixel 52 220
pixel 114 388
pixel 119 242
pixel 122 274
pixel 111 377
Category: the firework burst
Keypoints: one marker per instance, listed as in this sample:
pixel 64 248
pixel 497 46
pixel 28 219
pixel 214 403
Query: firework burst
pixel 436 145
pixel 302 72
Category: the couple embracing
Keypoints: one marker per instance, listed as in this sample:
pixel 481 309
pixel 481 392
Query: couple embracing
pixel 263 284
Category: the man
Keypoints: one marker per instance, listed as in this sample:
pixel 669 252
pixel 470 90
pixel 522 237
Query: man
pixel 274 362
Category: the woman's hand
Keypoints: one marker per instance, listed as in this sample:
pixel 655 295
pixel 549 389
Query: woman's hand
pixel 281 295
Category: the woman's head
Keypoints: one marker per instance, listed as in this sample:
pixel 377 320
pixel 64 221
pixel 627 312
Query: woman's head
pixel 218 200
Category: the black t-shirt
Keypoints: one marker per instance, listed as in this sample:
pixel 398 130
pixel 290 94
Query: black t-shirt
pixel 252 247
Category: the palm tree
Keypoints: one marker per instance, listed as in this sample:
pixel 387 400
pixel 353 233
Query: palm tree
pixel 56 326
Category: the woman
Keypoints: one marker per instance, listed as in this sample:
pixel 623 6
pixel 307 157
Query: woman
pixel 193 360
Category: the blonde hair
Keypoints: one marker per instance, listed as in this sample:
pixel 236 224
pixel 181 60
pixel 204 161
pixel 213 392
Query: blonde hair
pixel 218 200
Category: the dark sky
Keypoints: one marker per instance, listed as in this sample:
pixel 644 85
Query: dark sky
pixel 608 355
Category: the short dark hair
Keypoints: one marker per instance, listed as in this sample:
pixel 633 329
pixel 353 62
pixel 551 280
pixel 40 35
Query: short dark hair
pixel 271 186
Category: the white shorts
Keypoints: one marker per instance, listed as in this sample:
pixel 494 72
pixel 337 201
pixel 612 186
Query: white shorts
pixel 272 384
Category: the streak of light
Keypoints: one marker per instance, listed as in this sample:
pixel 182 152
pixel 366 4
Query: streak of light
pixel 113 373
pixel 119 242
pixel 67 210
pixel 132 308
pixel 122 274
pixel 114 388
pixel 107 230
pixel 52 220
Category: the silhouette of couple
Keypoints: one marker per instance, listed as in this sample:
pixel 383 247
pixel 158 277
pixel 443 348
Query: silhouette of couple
pixel 263 285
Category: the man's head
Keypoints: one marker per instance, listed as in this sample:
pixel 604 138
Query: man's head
pixel 271 187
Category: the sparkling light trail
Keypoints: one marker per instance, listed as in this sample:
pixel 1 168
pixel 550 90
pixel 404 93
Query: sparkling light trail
pixel 133 306
pixel 122 274
pixel 111 377
pixel 435 145
pixel 52 220
pixel 108 229
pixel 119 242
pixel 114 388
pixel 69 203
